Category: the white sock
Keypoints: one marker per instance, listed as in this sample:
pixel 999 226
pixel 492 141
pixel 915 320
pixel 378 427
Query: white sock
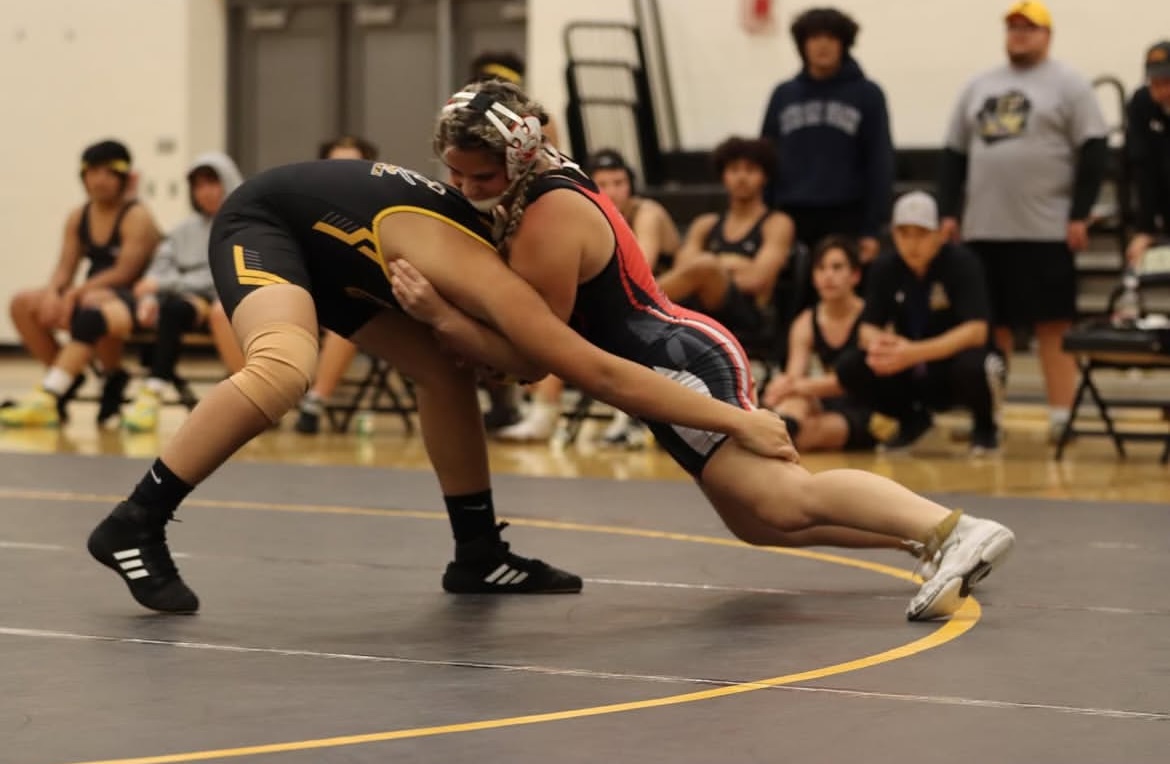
pixel 156 385
pixel 1058 416
pixel 57 381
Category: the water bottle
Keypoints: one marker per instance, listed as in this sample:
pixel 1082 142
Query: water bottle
pixel 1127 308
pixel 364 423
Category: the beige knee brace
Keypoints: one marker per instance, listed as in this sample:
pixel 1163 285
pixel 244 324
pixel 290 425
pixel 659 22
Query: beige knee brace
pixel 279 362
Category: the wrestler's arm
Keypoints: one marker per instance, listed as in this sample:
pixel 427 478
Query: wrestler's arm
pixel 475 280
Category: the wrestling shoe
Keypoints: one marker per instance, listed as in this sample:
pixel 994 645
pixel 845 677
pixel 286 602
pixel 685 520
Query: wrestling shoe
pixel 37 409
pixel 309 413
pixel 487 566
pixel 132 543
pixel 965 557
pixel 143 413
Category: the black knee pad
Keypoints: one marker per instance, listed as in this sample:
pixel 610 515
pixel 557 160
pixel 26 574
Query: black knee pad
pixel 177 312
pixel 88 325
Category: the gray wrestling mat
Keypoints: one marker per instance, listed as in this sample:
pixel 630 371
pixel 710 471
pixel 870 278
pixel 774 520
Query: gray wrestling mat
pixel 325 636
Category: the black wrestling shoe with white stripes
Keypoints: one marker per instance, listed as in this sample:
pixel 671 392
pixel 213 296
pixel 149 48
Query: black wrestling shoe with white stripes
pixel 487 566
pixel 132 543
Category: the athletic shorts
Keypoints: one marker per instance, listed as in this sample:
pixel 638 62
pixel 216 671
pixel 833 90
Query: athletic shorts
pixel 250 249
pixel 1029 281
pixel 857 416
pixel 705 357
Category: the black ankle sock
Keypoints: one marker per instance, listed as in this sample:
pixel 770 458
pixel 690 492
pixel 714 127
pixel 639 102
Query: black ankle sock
pixel 160 491
pixel 472 515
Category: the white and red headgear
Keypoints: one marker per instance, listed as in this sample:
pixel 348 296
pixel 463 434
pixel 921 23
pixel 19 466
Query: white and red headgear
pixel 524 138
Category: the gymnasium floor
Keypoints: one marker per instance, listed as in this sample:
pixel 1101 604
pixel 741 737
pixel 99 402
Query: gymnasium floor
pixel 325 637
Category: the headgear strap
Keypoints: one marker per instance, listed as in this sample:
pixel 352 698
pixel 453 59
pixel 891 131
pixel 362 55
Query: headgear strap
pixel 524 138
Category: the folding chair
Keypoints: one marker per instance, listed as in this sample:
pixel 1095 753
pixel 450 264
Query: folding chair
pixel 377 391
pixel 1100 345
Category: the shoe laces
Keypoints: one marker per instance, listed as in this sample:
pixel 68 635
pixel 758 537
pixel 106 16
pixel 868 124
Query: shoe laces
pixel 515 560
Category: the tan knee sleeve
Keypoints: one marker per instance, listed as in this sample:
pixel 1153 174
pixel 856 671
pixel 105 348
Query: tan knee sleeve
pixel 279 362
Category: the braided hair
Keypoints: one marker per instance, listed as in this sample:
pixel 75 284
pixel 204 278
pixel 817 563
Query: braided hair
pixel 498 117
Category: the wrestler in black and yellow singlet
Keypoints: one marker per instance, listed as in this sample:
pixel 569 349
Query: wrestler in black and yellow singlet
pixel 314 224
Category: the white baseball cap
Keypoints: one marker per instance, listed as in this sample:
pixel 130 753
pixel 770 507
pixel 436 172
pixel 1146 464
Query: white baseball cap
pixel 916 208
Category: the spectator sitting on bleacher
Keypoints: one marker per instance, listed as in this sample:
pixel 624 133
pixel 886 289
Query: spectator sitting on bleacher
pixel 1027 143
pixel 1148 145
pixel 925 333
pixel 337 353
pixel 729 263
pixel 174 296
pixel 657 237
pixel 831 130
pixel 820 416
pixel 97 312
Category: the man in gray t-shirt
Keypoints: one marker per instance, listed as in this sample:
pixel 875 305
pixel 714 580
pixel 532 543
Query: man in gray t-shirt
pixel 1028 141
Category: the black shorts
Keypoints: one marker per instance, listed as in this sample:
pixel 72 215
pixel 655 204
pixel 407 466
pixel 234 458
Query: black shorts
pixel 250 249
pixel 1029 281
pixel 857 416
pixel 705 357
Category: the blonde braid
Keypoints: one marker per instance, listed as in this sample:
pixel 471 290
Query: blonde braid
pixel 518 200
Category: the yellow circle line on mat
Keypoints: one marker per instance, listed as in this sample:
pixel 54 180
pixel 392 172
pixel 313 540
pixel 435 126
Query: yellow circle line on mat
pixel 960 623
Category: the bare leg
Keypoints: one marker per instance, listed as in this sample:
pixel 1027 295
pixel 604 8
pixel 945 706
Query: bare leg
pixel 448 407
pixel 703 278
pixel 225 418
pixel 785 497
pixel 33 334
pixel 1060 368
pixel 337 353
pixel 823 432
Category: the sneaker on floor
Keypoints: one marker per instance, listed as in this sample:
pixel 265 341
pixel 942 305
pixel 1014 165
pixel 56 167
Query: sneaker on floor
pixel 134 546
pixel 309 415
pixel 910 431
pixel 538 425
pixel 626 432
pixel 984 441
pixel 113 396
pixel 143 414
pixel 487 566
pixel 37 409
pixel 967 555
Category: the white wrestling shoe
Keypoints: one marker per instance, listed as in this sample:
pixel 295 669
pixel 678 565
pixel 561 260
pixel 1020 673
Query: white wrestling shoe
pixel 927 565
pixel 967 555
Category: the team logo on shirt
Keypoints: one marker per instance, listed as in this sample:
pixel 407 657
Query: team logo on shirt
pixel 939 300
pixel 1004 116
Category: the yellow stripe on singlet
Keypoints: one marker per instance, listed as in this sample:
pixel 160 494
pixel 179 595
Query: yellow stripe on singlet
pixel 352 239
pixel 252 276
pixel 419 211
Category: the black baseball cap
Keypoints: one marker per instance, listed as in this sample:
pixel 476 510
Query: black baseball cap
pixel 1158 60
pixel 607 159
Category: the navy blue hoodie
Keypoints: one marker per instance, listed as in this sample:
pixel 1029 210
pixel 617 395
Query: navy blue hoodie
pixel 833 144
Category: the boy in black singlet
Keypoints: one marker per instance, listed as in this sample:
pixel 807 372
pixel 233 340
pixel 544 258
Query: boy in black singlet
pixel 729 263
pixel 820 416
pixel 117 236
